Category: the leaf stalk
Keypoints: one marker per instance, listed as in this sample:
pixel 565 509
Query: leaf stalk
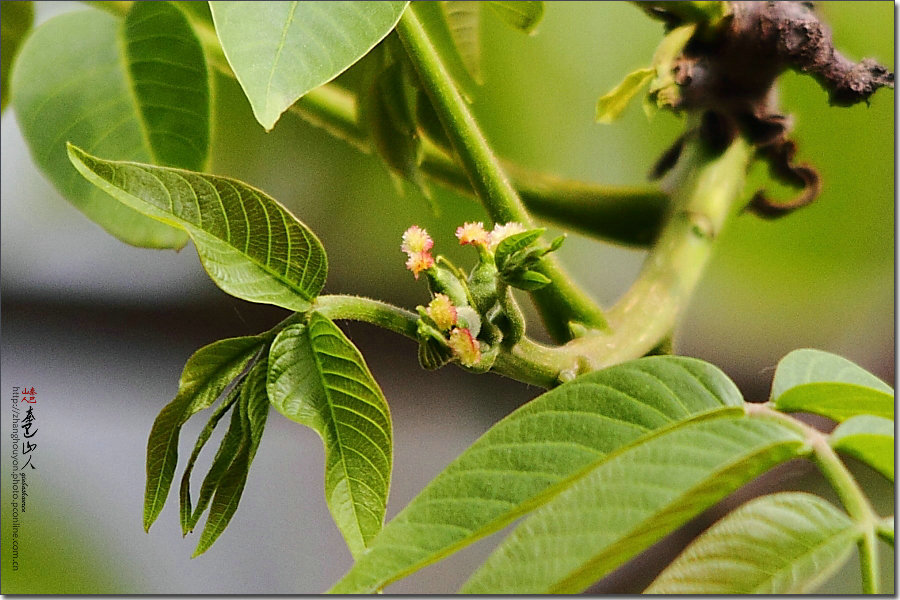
pixel 847 488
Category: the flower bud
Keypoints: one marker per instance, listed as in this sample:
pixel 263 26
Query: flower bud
pixel 442 312
pixel 416 240
pixel 419 261
pixel 473 233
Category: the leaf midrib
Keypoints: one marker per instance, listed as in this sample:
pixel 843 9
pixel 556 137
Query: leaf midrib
pixel 337 434
pixel 278 50
pixel 190 228
pixel 565 584
pixel 543 497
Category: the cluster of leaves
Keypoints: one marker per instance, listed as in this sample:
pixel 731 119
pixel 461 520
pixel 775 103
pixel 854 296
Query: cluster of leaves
pixel 603 465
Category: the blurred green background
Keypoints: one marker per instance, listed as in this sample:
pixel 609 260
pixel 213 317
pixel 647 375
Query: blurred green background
pixel 103 329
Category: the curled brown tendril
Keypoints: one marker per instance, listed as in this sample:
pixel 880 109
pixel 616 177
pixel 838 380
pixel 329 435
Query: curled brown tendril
pixel 728 74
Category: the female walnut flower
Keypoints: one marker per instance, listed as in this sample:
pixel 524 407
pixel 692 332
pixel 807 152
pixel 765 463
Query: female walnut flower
pixel 502 232
pixel 417 243
pixel 415 239
pixel 464 347
pixel 442 312
pixel 418 262
pixel 473 233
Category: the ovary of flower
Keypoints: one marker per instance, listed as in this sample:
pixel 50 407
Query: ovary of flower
pixel 442 312
pixel 501 232
pixel 464 347
pixel 419 261
pixel 473 233
pixel 415 240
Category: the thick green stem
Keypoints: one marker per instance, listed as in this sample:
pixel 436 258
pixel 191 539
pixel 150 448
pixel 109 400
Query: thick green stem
pixel 527 361
pixel 559 303
pixel 482 167
pixel 858 507
pixel 358 308
pixel 706 186
pixel 847 488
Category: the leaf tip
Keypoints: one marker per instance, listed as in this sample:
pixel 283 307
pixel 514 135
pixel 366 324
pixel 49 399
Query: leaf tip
pixel 149 519
pixel 76 154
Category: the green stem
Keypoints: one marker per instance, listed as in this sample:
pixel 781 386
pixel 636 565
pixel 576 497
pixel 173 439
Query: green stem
pixel 847 488
pixel 885 530
pixel 527 361
pixel 484 171
pixel 359 308
pixel 706 187
pixel 562 301
pixel 858 507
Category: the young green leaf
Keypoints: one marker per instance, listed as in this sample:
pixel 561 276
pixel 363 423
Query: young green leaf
pixel 235 437
pixel 869 439
pixel 185 492
pixel 15 22
pixel 136 89
pixel 525 458
pixel 524 15
pixel 206 375
pixel 512 244
pixel 250 245
pixel 387 110
pixel 463 18
pixel 318 378
pixel 613 103
pixel 829 385
pixel 527 280
pixel 786 543
pixel 281 50
pixel 630 501
pixel 663 90
pixel 253 408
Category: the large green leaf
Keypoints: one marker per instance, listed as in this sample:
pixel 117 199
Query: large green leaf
pixel 134 89
pixel 206 375
pixel 829 385
pixel 630 501
pixel 869 439
pixel 318 378
pixel 281 50
pixel 251 246
pixel 253 408
pixel 523 459
pixel 16 19
pixel 787 543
